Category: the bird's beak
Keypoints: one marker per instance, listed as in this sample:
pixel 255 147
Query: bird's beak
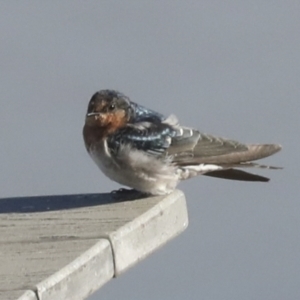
pixel 93 114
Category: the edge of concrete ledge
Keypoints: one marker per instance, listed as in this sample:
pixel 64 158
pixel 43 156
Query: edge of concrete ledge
pixel 28 295
pixel 82 276
pixel 151 230
pixel 113 254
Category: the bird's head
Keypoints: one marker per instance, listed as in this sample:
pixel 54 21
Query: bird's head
pixel 108 110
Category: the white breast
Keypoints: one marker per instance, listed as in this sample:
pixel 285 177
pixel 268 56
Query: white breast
pixel 136 169
pixel 103 159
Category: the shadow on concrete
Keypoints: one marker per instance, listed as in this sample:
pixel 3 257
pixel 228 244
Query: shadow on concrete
pixel 60 202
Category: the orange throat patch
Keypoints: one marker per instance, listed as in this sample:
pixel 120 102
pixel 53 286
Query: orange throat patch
pixel 98 127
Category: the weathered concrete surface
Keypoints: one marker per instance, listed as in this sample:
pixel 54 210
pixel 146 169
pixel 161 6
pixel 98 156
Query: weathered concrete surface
pixel 82 276
pixel 28 295
pixel 25 295
pixel 149 231
pixel 60 246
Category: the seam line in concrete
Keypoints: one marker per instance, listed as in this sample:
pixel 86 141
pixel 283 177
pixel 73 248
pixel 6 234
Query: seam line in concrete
pixel 112 251
pixel 36 293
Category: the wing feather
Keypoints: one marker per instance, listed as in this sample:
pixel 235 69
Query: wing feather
pixel 190 147
pixel 153 138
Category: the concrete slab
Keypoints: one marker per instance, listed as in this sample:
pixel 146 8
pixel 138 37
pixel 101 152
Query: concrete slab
pixel 149 231
pixel 56 244
pixel 28 295
pixel 24 264
pixel 18 295
pixel 81 277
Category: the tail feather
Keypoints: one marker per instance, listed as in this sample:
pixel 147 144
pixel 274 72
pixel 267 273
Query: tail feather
pixel 197 153
pixel 234 174
pixel 251 165
pixel 223 166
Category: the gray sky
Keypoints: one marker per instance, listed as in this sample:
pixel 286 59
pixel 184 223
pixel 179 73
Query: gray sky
pixel 229 68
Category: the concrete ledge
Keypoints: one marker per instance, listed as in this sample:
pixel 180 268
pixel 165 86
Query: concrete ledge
pixel 66 247
pixel 28 295
pixel 81 277
pixel 140 237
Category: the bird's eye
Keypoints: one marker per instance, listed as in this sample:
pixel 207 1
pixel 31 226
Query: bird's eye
pixel 112 107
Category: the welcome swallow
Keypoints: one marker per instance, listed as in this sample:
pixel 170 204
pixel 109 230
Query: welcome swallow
pixel 140 148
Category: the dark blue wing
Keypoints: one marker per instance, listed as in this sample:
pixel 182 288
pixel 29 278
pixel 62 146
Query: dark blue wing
pixel 153 138
pixel 143 114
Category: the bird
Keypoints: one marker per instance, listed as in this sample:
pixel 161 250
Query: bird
pixel 150 153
